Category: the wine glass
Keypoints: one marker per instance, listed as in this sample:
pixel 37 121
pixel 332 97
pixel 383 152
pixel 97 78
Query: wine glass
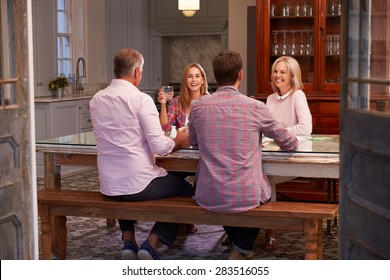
pixel 284 44
pixel 336 44
pixel 275 46
pixel 309 44
pixel 293 50
pixel 301 45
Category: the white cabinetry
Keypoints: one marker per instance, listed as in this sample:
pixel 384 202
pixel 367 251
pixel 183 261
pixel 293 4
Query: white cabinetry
pixel 85 123
pixel 60 118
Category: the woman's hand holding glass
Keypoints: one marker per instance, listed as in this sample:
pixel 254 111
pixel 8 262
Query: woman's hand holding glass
pixel 165 94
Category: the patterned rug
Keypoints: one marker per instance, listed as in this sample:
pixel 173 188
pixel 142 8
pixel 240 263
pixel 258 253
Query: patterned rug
pixel 89 238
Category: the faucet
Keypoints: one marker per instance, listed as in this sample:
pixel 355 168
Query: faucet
pixel 79 86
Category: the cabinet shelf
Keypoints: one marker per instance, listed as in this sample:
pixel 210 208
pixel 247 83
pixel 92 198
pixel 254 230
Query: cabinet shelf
pixel 291 17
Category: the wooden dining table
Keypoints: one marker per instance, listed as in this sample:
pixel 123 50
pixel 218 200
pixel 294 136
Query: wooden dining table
pixel 317 156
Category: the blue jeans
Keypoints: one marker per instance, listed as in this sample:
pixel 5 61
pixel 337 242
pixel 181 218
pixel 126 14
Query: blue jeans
pixel 160 187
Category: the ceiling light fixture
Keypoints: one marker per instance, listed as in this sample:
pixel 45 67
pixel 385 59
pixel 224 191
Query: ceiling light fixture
pixel 189 7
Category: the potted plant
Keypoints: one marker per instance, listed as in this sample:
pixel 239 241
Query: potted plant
pixel 58 85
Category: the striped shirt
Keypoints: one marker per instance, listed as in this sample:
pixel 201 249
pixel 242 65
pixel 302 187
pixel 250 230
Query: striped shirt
pixel 226 127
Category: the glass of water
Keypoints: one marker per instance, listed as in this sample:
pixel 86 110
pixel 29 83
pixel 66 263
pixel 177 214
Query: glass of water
pixel 168 92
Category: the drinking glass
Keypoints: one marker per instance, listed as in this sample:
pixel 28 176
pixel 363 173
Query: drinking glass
pixel 286 10
pixel 273 10
pixel 336 44
pixel 301 45
pixel 275 46
pixel 168 92
pixel 332 9
pixel 303 9
pixel 293 49
pixel 284 44
pixel 297 10
pixel 338 8
pixel 309 43
pixel 329 45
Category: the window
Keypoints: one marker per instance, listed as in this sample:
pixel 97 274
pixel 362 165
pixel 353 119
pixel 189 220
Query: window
pixel 8 45
pixel 64 37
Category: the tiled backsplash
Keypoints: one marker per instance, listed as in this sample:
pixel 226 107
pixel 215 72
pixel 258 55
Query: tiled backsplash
pixel 188 49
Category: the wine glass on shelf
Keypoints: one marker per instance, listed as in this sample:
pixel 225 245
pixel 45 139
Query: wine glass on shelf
pixel 293 49
pixel 301 45
pixel 284 44
pixel 336 44
pixel 275 45
pixel 329 45
pixel 309 43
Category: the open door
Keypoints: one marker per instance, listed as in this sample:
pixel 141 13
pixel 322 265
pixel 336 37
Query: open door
pixel 365 131
pixel 17 196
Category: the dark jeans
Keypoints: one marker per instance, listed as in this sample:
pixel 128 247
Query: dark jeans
pixel 242 238
pixel 160 187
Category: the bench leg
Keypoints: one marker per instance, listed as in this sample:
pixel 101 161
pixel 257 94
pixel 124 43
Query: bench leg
pixel 61 236
pixel 311 237
pixel 46 237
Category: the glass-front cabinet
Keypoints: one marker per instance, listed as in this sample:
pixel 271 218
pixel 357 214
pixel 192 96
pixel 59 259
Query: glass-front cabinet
pixel 309 31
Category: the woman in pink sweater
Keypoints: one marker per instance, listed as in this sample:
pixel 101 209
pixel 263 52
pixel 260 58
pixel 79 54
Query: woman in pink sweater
pixel 288 105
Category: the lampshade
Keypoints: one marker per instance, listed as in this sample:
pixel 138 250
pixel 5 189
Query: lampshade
pixel 188 7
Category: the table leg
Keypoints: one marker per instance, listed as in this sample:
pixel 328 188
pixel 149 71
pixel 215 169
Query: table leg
pixel 52 180
pixel 46 235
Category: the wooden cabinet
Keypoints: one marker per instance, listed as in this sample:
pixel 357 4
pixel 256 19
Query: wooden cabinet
pixel 310 32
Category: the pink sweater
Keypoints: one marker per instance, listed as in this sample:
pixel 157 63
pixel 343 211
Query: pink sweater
pixel 293 112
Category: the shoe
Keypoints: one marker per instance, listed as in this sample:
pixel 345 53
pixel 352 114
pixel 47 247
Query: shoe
pixel 191 228
pixel 146 252
pixel 271 244
pixel 129 251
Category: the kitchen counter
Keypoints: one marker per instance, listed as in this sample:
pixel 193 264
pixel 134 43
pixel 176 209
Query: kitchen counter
pixel 50 99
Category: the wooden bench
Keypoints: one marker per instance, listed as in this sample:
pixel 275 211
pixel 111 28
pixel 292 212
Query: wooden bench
pixel 307 217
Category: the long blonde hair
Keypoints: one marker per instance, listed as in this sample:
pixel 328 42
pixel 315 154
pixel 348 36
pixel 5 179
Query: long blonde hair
pixel 185 98
pixel 293 68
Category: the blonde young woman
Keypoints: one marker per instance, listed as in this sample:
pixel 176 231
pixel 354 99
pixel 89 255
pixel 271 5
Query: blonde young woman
pixel 193 86
pixel 288 105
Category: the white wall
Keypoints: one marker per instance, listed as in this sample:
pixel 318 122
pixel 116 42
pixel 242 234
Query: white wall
pixel 238 32
pixel 96 30
pixel 96 44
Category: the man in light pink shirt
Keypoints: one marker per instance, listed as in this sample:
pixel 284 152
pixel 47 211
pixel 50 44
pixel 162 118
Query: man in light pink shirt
pixel 128 133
